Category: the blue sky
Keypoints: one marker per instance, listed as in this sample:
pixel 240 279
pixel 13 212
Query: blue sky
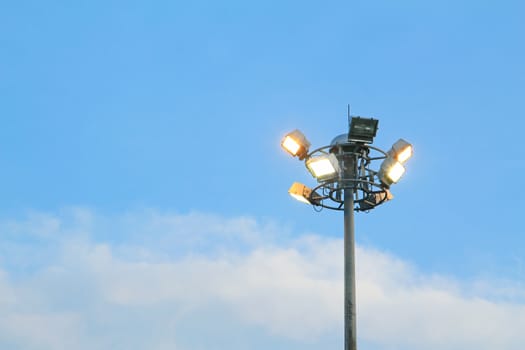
pixel 128 127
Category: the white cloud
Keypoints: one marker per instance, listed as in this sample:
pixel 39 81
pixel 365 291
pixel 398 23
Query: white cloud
pixel 401 307
pixel 154 280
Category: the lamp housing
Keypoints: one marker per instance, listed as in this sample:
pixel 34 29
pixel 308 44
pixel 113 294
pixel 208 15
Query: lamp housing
pixel 362 129
pixel 391 171
pixel 304 193
pixel 401 151
pixel 374 199
pixel 325 167
pixel 296 144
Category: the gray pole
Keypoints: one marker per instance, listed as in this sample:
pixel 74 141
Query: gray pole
pixel 350 306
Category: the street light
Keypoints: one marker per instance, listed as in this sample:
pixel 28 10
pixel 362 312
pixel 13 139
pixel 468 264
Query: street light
pixel 362 129
pixel 390 172
pixel 347 181
pixel 392 168
pixel 323 167
pixel 303 193
pixel 296 144
pixel 401 151
pixel 374 199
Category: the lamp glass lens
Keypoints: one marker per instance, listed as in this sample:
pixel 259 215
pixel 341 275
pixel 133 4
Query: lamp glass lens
pixel 395 172
pixel 291 145
pixel 300 198
pixel 405 154
pixel 364 129
pixel 321 167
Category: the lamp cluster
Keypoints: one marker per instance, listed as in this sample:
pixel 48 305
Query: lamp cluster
pixel 346 164
pixel 392 168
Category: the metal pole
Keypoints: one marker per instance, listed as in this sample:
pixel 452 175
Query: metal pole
pixel 350 306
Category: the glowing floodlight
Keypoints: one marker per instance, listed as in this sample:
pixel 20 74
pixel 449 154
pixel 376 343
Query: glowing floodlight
pixel 391 171
pixel 303 193
pixel 323 167
pixel 362 129
pixel 401 151
pixel 296 144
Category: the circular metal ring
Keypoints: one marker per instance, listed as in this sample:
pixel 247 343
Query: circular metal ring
pixel 329 194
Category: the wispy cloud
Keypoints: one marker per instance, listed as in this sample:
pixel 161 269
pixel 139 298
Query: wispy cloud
pixel 153 280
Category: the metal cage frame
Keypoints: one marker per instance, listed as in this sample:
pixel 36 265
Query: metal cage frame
pixel 363 179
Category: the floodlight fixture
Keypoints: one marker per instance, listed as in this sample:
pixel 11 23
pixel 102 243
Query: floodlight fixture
pixel 401 151
pixel 374 199
pixel 362 129
pixel 391 171
pixel 323 167
pixel 304 193
pixel 296 144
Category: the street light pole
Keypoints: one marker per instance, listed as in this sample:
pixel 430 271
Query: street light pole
pixel 349 271
pixel 348 182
